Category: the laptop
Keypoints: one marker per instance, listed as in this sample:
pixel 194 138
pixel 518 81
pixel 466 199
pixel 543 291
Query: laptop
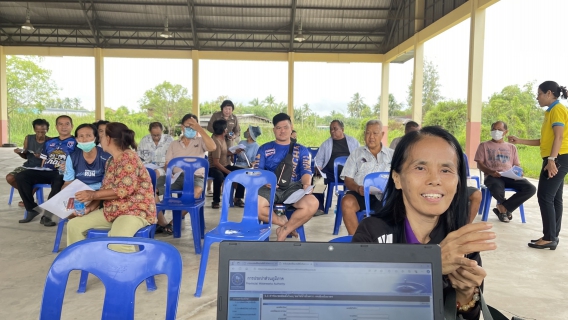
pixel 311 281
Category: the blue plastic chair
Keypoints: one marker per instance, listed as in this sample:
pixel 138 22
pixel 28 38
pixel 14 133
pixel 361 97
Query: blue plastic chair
pixel 121 273
pixel 332 185
pixel 145 232
pixel 289 212
pixel 342 239
pixel 313 151
pixel 249 229
pixel 486 204
pixel 186 200
pixel 62 222
pixel 478 182
pixel 11 196
pixel 339 193
pixel 374 179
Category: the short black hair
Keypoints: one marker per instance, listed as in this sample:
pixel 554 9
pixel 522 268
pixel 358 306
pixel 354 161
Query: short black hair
pixel 410 124
pixel 499 121
pixel 100 123
pixel 64 116
pixel 40 122
pixel 187 116
pixel 280 117
pixel 339 122
pixel 155 125
pixel 227 103
pixel 219 126
pixel 88 125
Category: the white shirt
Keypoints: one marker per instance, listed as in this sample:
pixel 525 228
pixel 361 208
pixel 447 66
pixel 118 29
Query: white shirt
pixel 149 152
pixel 361 162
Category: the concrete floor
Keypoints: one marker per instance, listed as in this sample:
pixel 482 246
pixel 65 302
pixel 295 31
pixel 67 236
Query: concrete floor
pixel 521 281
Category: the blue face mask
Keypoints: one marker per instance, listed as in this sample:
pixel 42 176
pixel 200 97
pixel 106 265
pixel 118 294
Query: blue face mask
pixel 86 146
pixel 189 133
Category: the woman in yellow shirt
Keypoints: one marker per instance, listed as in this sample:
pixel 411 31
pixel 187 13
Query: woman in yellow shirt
pixel 553 144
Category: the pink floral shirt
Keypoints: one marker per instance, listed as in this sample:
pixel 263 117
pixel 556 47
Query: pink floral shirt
pixel 131 182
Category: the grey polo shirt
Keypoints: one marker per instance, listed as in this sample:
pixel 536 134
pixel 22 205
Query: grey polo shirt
pixel 361 162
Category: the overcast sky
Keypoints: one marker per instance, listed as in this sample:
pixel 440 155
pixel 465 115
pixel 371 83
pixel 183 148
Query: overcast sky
pixel 523 42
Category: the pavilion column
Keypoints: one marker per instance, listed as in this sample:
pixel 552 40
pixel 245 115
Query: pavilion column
pixel 195 82
pixel 291 85
pixel 475 78
pixel 3 99
pixel 384 116
pixel 418 81
pixel 99 84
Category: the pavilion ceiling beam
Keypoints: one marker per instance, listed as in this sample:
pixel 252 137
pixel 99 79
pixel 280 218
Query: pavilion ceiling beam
pixel 91 23
pixel 191 9
pixel 292 24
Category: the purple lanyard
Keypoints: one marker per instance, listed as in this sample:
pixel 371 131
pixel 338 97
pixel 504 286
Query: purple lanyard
pixel 410 237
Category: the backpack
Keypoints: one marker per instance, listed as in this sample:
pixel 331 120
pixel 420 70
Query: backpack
pixel 285 169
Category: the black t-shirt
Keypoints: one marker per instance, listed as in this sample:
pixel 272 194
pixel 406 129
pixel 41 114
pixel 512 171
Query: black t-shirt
pixel 372 228
pixel 340 149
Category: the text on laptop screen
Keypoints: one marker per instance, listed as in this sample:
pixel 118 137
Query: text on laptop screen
pixel 297 290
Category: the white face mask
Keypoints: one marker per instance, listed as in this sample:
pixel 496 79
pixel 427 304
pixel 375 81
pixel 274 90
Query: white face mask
pixel 497 135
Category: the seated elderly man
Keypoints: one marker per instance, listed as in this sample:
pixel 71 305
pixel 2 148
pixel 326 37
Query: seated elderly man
pixel 269 157
pixel 337 145
pixel 496 156
pixel 372 157
pixel 153 147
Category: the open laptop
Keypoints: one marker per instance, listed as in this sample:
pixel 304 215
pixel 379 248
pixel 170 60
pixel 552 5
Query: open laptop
pixel 314 281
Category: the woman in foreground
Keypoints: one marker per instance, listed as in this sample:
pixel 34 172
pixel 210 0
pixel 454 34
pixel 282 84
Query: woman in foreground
pixel 426 203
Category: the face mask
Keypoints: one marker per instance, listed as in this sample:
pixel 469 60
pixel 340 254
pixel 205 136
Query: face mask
pixel 497 135
pixel 189 133
pixel 247 135
pixel 86 146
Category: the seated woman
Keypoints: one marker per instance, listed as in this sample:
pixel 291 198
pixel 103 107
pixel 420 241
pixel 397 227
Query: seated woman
pixel 127 192
pixel 246 157
pixel 426 203
pixel 87 162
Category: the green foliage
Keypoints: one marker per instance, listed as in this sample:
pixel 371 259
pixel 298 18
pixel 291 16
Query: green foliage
pixel 395 108
pixel 450 115
pixel 357 107
pixel 430 88
pixel 166 103
pixel 29 85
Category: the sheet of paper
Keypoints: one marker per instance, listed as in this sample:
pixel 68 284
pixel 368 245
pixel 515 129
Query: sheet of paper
pixel 39 169
pixel 176 176
pixel 378 193
pixel 515 173
pixel 58 203
pixel 151 166
pixel 234 149
pixel 296 196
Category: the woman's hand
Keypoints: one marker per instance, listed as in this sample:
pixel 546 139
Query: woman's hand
pixel 465 280
pixel 467 239
pixel 85 195
pixel 551 168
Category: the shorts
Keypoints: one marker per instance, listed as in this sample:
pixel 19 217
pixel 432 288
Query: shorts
pixel 470 191
pixel 280 195
pixel 375 203
pixel 18 170
pixel 198 181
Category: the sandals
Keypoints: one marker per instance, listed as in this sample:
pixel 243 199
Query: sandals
pixel 502 216
pixel 167 229
pixel 239 203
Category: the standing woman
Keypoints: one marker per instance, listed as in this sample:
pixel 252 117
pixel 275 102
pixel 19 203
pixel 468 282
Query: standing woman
pixel 553 144
pixel 127 192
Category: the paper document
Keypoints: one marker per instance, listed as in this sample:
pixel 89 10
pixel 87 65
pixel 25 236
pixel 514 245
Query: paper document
pixel 175 177
pixel 151 166
pixel 234 149
pixel 244 155
pixel 58 203
pixel 296 196
pixel 378 193
pixel 323 175
pixel 39 169
pixel 515 173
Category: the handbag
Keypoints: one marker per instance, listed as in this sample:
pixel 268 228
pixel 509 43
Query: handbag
pixel 450 310
pixel 285 169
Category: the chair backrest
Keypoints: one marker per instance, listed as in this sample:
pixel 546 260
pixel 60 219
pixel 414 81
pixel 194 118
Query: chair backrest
pixel 153 177
pixel 466 165
pixel 189 165
pixel 374 179
pixel 313 151
pixel 342 239
pixel 253 179
pixel 121 273
pixel 339 161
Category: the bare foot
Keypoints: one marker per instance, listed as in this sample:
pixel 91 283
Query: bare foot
pixel 282 233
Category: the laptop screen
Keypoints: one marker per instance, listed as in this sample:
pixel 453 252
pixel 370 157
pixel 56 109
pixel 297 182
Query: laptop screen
pixel 304 290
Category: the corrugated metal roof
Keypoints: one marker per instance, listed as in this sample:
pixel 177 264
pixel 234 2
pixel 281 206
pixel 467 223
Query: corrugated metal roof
pixel 354 26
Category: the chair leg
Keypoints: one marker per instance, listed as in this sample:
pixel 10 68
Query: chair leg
pixel 522 209
pixel 202 221
pixel 83 282
pixel 487 204
pixel 151 284
pixel 301 233
pixel 196 229
pixel 202 267
pixel 177 223
pixel 11 196
pixel 329 197
pixel 39 196
pixel 57 241
pixel 338 216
